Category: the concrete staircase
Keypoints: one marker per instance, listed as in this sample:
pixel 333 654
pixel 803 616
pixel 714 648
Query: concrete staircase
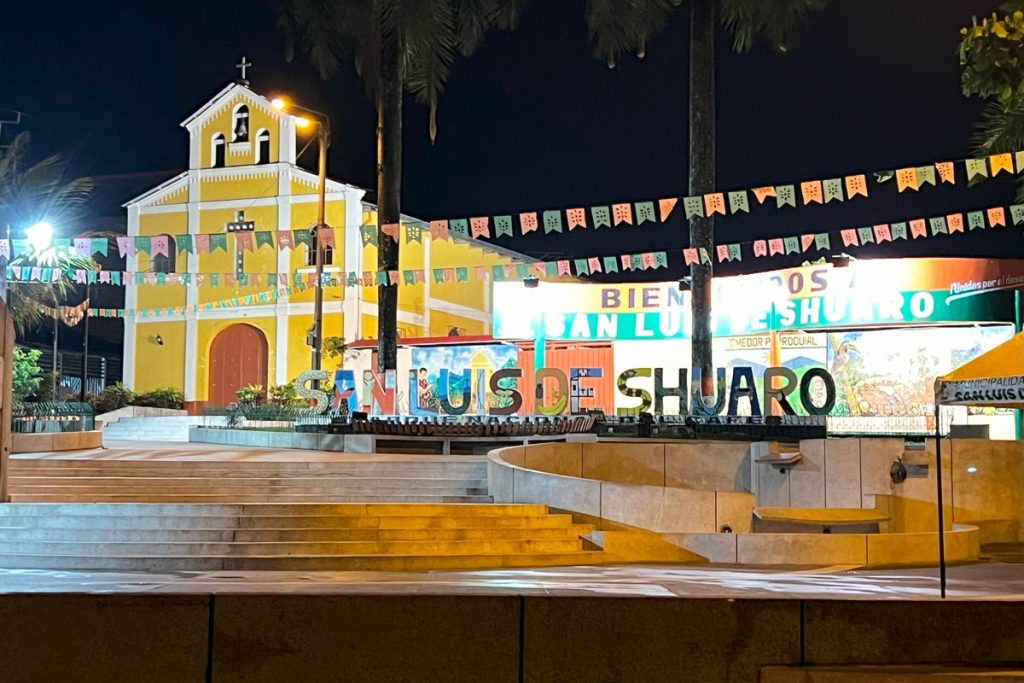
pixel 437 480
pixel 163 428
pixel 295 537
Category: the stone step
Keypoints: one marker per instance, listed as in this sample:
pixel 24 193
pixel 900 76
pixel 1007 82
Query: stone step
pixel 291 523
pixel 892 674
pixel 230 483
pixel 270 548
pixel 223 535
pixel 275 510
pixel 240 498
pixel 301 562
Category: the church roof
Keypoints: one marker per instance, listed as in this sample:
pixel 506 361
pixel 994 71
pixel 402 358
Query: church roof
pixel 226 95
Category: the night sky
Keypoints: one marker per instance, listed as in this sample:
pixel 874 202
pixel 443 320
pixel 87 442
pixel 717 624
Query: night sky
pixel 533 121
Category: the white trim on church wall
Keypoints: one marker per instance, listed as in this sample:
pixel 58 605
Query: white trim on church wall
pixel 131 296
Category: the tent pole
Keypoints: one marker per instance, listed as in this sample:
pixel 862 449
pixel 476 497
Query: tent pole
pixel 938 484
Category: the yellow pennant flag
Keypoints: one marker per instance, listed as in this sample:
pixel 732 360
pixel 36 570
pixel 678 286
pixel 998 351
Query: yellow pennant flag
pixel 906 178
pixel 1001 162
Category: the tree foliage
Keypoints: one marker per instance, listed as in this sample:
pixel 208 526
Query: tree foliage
pixel 27 374
pixel 992 57
pixel 435 31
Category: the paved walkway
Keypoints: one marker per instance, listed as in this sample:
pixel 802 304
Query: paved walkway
pixel 983 581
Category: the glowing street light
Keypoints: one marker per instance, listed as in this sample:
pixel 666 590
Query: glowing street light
pixel 40 235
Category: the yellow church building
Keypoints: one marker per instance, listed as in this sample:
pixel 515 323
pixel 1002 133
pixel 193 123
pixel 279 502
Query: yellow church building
pixel 243 170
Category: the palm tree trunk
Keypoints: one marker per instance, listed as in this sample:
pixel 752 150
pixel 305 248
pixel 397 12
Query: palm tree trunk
pixel 702 177
pixel 389 188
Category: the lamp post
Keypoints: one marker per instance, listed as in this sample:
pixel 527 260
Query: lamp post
pixel 303 118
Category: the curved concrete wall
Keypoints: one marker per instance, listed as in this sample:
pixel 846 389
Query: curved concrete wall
pixel 615 485
pixel 55 441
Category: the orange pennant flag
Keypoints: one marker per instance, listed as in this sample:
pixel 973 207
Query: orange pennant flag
pixel 577 218
pixel 806 241
pixel 622 213
pixel 812 192
pixel 714 203
pixel 1001 162
pixel 906 178
pixel 997 216
pixel 856 185
pixel 955 222
pixel 666 205
pixel 763 193
pixel 947 174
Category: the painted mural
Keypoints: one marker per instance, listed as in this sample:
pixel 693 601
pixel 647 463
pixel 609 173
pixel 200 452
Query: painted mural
pixel 429 361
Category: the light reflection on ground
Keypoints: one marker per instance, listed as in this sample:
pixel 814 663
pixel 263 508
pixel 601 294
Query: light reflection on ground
pixel 1001 581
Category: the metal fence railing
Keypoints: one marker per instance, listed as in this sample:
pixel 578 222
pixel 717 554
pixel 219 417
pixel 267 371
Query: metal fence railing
pixel 52 416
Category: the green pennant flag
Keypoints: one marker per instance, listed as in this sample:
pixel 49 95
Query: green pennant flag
pixel 184 243
pixel 264 239
pixel 602 216
pixel 143 244
pixel 1018 157
pixel 739 201
pixel 438 275
pixel 833 190
pixel 99 245
pixel 161 278
pixel 218 240
pixel 551 269
pixel 368 234
pixel 351 279
pixel 413 233
pixel 262 296
pixel 382 276
pixel 660 259
pixel 503 226
pixel 792 245
pixel 705 257
pixel 498 273
pixel 1017 213
pixel 884 176
pixel 822 242
pixel 115 278
pixel 462 274
pixel 522 271
pixel 214 279
pixel 552 221
pixel 140 278
pixel 186 278
pixel 408 277
pixel 582 267
pixel 925 175
pixel 243 279
pixel 644 212
pixel 785 195
pixel 459 227
pixel 976 220
pixel 611 264
pixel 300 236
pixel 736 253
pixel 938 225
pixel 693 206
pixel 866 235
pixel 898 231
pixel 976 168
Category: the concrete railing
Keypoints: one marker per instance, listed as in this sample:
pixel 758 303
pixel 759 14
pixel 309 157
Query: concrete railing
pixel 137 411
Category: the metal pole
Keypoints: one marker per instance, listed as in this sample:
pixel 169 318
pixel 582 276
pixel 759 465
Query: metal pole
pixel 938 484
pixel 1018 327
pixel 85 349
pixel 56 321
pixel 321 213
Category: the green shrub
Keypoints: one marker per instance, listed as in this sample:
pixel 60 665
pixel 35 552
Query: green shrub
pixel 251 395
pixel 27 373
pixel 164 397
pixel 113 396
pixel 283 394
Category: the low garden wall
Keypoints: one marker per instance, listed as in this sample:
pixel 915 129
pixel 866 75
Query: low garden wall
pixel 56 441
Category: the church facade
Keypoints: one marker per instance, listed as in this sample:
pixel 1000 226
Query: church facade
pixel 243 171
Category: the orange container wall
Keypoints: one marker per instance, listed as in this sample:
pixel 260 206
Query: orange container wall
pixel 568 356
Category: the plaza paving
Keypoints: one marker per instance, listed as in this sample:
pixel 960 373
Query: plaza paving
pixel 1000 580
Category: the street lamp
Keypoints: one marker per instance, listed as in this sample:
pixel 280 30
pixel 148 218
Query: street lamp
pixel 304 118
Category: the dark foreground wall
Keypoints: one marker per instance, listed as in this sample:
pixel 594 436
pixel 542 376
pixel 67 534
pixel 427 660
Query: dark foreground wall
pixel 233 638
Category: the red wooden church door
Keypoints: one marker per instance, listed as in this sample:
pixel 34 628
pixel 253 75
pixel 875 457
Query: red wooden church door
pixel 238 357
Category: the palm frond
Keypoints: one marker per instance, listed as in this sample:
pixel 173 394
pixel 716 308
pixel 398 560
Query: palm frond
pixel 617 27
pixel 430 44
pixel 1000 129
pixel 774 22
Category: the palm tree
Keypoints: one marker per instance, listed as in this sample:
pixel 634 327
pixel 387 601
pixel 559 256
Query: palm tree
pixel 30 192
pixel 618 27
pixel 395 46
